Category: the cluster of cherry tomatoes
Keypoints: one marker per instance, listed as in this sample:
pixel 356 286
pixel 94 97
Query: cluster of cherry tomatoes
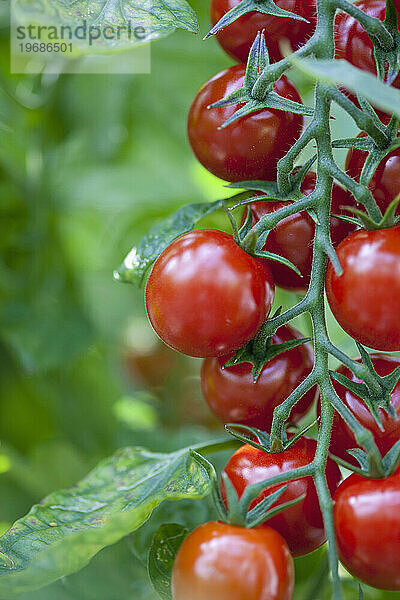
pixel 206 297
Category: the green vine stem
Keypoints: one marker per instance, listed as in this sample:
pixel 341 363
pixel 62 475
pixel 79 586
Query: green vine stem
pixel 321 45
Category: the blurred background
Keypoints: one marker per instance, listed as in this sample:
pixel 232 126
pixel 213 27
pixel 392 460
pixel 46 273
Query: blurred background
pixel 87 165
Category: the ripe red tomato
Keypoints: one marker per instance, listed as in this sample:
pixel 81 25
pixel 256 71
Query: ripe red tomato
pixel 342 436
pixel 235 398
pixel 223 562
pixel 250 147
pixel 300 525
pixel 293 237
pixel 237 38
pixel 367 524
pixel 205 296
pixel 385 183
pixel 353 44
pixel 365 299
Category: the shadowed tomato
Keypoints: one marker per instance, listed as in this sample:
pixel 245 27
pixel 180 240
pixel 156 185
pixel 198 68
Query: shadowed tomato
pixel 365 299
pixel 222 562
pixel 250 147
pixel 367 525
pixel 237 38
pixel 205 296
pixel 353 44
pixel 233 396
pixel 293 237
pixel 385 183
pixel 301 525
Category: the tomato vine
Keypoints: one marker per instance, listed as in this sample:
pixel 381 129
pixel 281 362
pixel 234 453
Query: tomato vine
pixel 321 45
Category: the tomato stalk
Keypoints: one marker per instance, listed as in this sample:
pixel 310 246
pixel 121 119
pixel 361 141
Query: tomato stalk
pixel 373 26
pixel 322 46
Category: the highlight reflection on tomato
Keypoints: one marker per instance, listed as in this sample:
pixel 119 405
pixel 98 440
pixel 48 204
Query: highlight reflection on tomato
pixel 365 299
pixel 205 296
pixel 222 562
pixel 367 525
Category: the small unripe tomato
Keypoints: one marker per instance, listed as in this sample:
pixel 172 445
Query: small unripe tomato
pixel 205 296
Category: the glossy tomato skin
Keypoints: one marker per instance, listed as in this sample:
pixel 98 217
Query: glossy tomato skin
pixel 250 147
pixel 353 44
pixel 233 396
pixel 237 38
pixel 367 525
pixel 205 296
pixel 300 525
pixel 342 436
pixel 385 183
pixel 365 299
pixel 293 237
pixel 222 562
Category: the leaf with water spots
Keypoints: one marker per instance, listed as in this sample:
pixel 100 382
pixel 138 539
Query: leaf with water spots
pixel 61 534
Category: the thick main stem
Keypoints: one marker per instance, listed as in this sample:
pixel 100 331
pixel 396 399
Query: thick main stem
pixel 323 189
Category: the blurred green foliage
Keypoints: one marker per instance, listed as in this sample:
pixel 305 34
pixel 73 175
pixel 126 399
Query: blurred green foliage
pixel 87 165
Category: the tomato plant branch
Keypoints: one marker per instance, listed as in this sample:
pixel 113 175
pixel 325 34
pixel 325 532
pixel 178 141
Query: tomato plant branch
pixel 373 26
pixel 322 45
pixel 363 120
pixel 359 370
pixel 361 193
pixel 269 221
pixel 286 164
pixel 282 411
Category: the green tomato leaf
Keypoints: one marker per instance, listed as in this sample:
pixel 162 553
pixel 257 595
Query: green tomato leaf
pixel 140 258
pixel 163 550
pixel 342 73
pixel 153 18
pixel 62 534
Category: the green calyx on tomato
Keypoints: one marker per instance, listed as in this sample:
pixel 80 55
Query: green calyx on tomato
pixel 264 347
pixel 301 524
pixel 238 511
pixel 259 133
